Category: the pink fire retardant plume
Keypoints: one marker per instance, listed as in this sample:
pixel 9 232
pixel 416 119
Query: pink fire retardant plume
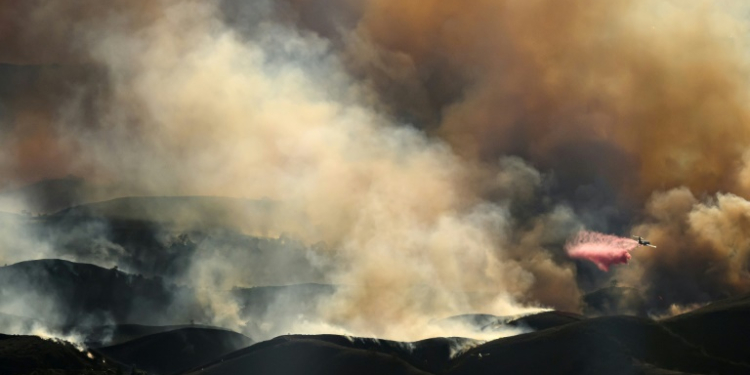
pixel 602 249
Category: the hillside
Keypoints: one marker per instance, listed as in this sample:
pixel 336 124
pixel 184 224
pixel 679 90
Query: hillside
pixel 31 354
pixel 711 339
pixel 168 352
pixel 722 328
pixel 63 293
pixel 608 345
pixel 79 298
pixel 570 345
pixel 109 335
pixel 538 321
pixel 546 320
pixel 311 356
pixel 166 236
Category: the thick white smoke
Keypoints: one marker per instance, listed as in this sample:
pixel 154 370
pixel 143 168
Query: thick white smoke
pixel 197 109
pixel 192 107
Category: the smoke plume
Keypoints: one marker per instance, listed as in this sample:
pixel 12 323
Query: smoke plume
pixel 585 90
pixel 703 253
pixel 191 106
pixel 431 159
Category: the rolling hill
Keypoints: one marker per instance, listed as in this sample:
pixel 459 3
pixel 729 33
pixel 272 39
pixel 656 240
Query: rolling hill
pixel 109 335
pixel 607 345
pixel 34 355
pixel 710 339
pixel 312 356
pixel 570 345
pixel 722 328
pixel 171 351
pixel 63 293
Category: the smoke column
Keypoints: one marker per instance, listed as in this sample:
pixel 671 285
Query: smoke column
pixel 413 141
pixel 604 250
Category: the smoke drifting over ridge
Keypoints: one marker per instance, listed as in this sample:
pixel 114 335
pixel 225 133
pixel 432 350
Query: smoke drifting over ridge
pixel 385 127
pixel 621 101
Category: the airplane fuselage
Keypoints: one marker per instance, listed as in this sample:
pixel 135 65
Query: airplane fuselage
pixel 642 242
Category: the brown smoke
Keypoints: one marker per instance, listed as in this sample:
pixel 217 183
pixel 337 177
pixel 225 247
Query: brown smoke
pixel 47 72
pixel 703 250
pixel 649 96
pixel 194 107
pixel 179 98
pixel 42 32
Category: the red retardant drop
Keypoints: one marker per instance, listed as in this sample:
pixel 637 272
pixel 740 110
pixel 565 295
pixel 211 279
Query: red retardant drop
pixel 604 250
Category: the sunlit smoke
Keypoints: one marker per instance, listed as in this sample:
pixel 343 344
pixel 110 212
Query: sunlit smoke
pixel 196 108
pixel 414 147
pixel 73 338
pixel 704 250
pixel 604 250
pixel 675 309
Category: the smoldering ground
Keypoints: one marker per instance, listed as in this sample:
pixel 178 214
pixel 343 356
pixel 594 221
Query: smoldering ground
pixel 385 127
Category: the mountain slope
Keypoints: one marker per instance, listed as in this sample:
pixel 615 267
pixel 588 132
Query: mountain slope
pixel 721 328
pixel 31 354
pixel 310 356
pixel 605 345
pixel 63 293
pixel 172 351
pixel 109 335
pixel 546 320
pixel 608 345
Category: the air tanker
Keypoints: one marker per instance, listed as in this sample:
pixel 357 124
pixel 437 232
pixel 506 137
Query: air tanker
pixel 643 242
